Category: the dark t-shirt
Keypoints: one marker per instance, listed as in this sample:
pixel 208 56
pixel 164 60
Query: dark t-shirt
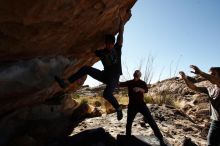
pixel 111 60
pixel 135 98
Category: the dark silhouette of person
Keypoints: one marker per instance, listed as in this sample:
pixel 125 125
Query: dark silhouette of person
pixel 136 90
pixel 110 57
pixel 213 92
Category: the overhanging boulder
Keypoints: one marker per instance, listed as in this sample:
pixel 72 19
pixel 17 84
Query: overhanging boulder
pixel 43 38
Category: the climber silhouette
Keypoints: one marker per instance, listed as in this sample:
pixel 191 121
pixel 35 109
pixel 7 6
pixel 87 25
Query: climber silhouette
pixel 136 90
pixel 214 98
pixel 110 57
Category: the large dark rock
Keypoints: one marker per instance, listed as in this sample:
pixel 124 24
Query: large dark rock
pixel 92 137
pixel 43 38
pixel 188 142
pixel 139 140
pixel 131 141
pixel 55 119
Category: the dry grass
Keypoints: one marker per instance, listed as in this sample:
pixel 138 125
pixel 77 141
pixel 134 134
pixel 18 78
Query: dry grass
pixel 122 97
pixel 99 101
pixel 160 100
pixel 164 98
pixel 122 100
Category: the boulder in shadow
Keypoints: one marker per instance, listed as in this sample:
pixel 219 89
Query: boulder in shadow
pixel 123 140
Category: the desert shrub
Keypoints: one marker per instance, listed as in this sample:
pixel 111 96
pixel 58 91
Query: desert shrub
pixel 148 99
pixel 97 103
pixel 84 101
pixel 163 98
pixel 108 107
pixel 167 100
pixel 178 103
pixel 75 96
pixel 124 92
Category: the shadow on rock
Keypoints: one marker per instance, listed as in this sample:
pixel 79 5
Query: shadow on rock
pixel 54 119
pixel 123 140
pixel 92 137
pixel 188 142
pixel 98 137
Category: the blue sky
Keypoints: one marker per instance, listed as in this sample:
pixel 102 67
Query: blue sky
pixel 176 33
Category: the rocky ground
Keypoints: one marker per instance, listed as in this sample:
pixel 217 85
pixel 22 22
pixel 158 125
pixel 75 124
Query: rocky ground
pixel 188 117
pixel 65 120
pixel 174 125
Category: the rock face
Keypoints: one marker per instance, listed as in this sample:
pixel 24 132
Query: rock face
pixel 40 39
pixel 54 119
